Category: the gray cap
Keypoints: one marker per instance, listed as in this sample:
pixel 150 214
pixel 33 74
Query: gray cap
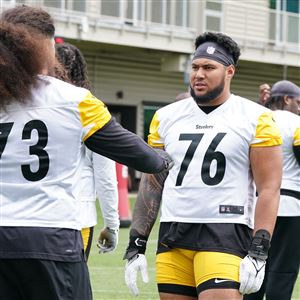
pixel 285 88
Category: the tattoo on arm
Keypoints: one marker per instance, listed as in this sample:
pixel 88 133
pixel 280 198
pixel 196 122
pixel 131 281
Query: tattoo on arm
pixel 148 202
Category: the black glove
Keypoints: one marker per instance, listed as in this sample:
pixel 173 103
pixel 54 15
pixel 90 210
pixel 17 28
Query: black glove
pixel 252 268
pixel 137 245
pixel 260 244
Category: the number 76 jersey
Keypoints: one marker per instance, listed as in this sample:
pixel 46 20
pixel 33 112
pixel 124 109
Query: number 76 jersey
pixel 211 181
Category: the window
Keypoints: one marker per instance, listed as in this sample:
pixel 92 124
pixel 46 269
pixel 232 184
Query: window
pixel 135 10
pixel 79 5
pixel 160 11
pixel 14 2
pixel 55 3
pixel 285 21
pixel 213 15
pixel 110 8
pixel 182 13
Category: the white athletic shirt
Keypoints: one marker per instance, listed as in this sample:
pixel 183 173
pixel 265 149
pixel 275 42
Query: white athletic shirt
pixel 289 125
pixel 211 181
pixel 98 177
pixel 38 186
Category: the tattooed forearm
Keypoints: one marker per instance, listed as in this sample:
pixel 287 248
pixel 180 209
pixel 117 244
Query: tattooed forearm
pixel 148 202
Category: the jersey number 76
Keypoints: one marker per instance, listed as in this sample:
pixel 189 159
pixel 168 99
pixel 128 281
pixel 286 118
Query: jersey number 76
pixel 209 156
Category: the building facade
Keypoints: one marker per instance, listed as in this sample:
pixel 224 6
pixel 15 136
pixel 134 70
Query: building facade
pixel 139 51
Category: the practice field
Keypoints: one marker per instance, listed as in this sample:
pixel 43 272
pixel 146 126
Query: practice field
pixel 107 270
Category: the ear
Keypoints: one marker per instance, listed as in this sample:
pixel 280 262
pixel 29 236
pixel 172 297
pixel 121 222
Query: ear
pixel 286 100
pixel 230 70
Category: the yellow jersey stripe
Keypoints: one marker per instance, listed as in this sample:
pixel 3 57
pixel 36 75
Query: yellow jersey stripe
pixel 297 137
pixel 154 138
pixel 93 114
pixel 267 133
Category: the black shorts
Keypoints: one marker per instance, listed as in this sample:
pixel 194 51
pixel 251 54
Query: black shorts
pixel 34 279
pixel 227 238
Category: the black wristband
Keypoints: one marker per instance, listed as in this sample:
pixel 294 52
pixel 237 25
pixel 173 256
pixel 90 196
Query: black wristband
pixel 260 244
pixel 137 244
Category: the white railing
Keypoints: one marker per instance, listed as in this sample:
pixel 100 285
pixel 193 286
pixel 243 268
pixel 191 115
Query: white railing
pixel 260 26
pixel 253 25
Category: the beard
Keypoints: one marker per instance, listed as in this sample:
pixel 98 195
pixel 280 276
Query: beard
pixel 209 96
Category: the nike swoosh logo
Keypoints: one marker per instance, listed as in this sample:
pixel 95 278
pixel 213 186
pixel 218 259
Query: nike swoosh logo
pixel 221 280
pixel 137 242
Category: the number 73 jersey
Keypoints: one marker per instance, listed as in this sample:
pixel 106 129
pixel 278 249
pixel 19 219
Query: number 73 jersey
pixel 211 181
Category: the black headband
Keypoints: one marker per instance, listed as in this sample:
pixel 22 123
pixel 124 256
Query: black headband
pixel 215 52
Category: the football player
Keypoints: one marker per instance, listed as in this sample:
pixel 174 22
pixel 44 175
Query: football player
pixel 44 123
pixel 284 257
pixel 98 172
pixel 213 241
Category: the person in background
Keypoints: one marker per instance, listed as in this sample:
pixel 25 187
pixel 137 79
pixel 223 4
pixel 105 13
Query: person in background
pixel 98 172
pixel 264 93
pixel 44 123
pixel 213 241
pixel 284 256
pixel 182 96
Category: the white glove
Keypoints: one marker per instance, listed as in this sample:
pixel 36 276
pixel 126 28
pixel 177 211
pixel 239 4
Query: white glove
pixel 137 263
pixel 252 273
pixel 108 240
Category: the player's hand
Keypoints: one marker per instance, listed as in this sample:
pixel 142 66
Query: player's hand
pixel 108 240
pixel 137 263
pixel 252 273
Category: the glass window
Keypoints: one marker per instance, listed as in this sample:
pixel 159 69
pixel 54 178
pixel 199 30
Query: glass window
pixel 156 11
pixel 293 29
pixel 214 5
pixel 141 9
pixel 160 11
pixel 129 9
pixel 285 21
pixel 110 8
pixel 54 3
pixel 182 13
pixel 79 5
pixel 293 6
pixel 135 9
pixel 273 4
pixel 213 15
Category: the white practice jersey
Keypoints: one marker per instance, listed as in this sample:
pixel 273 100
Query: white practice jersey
pixel 38 186
pixel 289 125
pixel 211 181
pixel 98 177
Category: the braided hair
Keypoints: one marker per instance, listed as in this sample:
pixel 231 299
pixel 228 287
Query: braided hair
pixel 74 63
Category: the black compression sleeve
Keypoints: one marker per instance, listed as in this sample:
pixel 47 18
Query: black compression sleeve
pixel 297 153
pixel 125 147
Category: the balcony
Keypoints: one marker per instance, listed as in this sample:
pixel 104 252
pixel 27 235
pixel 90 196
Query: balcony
pixel 264 34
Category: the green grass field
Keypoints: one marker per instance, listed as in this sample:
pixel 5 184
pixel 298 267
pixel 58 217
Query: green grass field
pixel 107 270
